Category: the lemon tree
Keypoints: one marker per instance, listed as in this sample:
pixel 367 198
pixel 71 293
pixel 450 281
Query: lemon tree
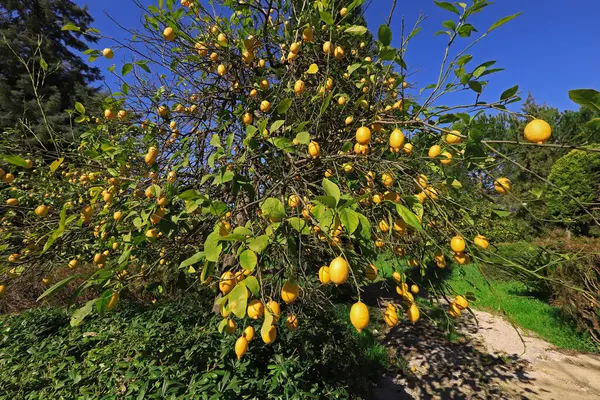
pixel 263 149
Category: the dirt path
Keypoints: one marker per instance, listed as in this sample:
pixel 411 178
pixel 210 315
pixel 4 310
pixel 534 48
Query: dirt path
pixel 489 362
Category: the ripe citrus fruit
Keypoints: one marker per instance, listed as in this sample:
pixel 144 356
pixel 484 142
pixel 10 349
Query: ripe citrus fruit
pixel 227 282
pixel 446 158
pixel 314 150
pixel 241 345
pixel 291 323
pixel 289 292
pixel 457 244
pixel 324 275
pixel 396 139
pixel 255 309
pixel 391 316
pixel 363 135
pixel 338 270
pixel 114 299
pixel 537 131
pixel 230 327
pixel 275 309
pixel 502 185
pixel 453 138
pixel 249 333
pixel 359 316
pixel 108 53
pixel 270 336
pixel 371 272
pixel 169 34
pixel 413 313
pixel 461 302
pixel 434 151
pixel 481 241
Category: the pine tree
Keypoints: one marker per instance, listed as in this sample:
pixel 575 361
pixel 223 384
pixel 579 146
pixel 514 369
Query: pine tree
pixel 31 31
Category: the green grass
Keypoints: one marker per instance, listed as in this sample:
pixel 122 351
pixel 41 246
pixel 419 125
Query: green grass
pixel 521 307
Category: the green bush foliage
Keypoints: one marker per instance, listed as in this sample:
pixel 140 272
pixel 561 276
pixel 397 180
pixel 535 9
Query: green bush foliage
pixel 174 350
pixel 578 175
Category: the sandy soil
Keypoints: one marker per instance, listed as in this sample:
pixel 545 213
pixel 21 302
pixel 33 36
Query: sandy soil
pixel 491 361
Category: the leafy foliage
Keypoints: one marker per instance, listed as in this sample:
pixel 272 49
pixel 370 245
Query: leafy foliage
pixel 174 350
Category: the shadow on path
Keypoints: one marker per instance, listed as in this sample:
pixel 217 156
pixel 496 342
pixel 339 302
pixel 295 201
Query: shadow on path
pixel 448 370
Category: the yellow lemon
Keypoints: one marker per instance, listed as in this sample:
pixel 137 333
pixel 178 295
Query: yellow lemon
pixel 338 270
pixel 537 131
pixel 481 241
pixel 255 309
pixel 227 282
pixel 413 313
pixel 359 316
pixel 289 292
pixel 453 138
pixel 241 345
pixel 324 275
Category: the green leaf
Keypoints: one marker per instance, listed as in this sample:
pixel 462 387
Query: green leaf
pixel 510 92
pixel 54 288
pixel 349 219
pixel 43 64
pixel 252 284
pixel 258 244
pixel 142 65
pixel 238 300
pixel 356 30
pixel 501 213
pixel 475 86
pixel 502 21
pixel 387 53
pixel 447 6
pixel 589 98
pixel 284 106
pixel 299 225
pixel 328 201
pixel 384 35
pixel 191 194
pixel 450 24
pixel 276 125
pixel 593 123
pixel 466 30
pixel 212 247
pixel 409 217
pixel 71 27
pixel 273 207
pixel 242 231
pixel 365 227
pixel 80 108
pixel 222 325
pixel 55 164
pixel 326 17
pixel 303 137
pixel 80 314
pixel 332 190
pixel 14 160
pixel 215 141
pixel 52 238
pixel 126 69
pixel 248 260
pixel 196 258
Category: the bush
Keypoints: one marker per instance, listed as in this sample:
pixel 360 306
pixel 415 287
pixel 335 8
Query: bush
pixel 174 350
pixel 575 284
pixel 576 174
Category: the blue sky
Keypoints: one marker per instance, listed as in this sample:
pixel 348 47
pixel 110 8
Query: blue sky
pixel 551 48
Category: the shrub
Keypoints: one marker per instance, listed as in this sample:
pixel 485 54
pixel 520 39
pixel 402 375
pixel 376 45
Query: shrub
pixel 174 350
pixel 577 174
